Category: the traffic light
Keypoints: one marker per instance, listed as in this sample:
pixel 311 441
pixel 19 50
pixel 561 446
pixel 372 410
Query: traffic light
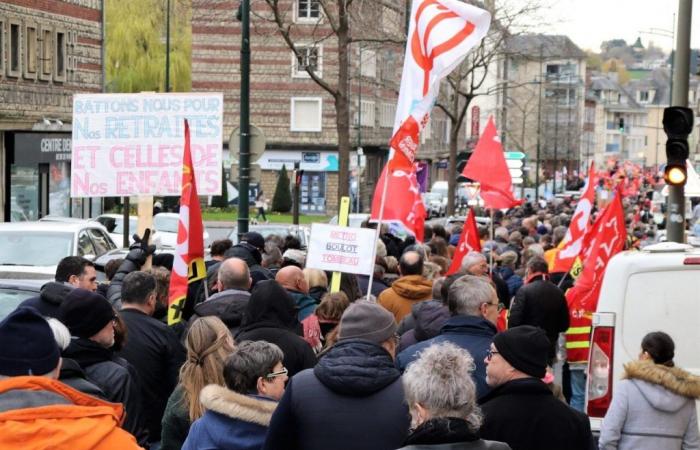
pixel 621 125
pixel 678 124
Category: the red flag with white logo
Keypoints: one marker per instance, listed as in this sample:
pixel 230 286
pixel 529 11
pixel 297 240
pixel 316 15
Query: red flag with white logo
pixel 468 242
pixel 405 203
pixel 487 165
pixel 188 262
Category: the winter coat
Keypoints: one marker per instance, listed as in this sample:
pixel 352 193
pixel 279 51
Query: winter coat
pixel 231 421
pixel 317 293
pixel 448 433
pixel 132 262
pixel 38 413
pixel 253 258
pixel 471 333
pixel 653 408
pixel 378 285
pixel 176 421
pixel 501 289
pixel 154 351
pixel 353 399
pixel 542 304
pixel 74 376
pixel 525 414
pixel 513 281
pixel 117 379
pixel 429 318
pixel 49 299
pixel 404 293
pixel 305 304
pixel 271 316
pixel 228 305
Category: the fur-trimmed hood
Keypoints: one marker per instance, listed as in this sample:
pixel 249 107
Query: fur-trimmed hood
pixel 237 406
pixel 674 379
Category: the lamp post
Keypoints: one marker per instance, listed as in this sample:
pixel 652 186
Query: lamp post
pixel 167 46
pixel 244 156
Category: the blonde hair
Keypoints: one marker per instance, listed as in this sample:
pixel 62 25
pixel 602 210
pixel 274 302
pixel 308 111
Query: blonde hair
pixel 208 343
pixel 316 277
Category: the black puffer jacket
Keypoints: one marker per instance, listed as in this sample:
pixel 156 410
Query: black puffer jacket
pixel 228 305
pixel 74 376
pixel 428 317
pixel 49 299
pixel 253 258
pixel 352 399
pixel 132 262
pixel 115 377
pixel 271 316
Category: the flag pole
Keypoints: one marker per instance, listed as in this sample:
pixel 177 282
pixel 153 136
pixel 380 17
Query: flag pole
pixel 379 229
pixel 491 252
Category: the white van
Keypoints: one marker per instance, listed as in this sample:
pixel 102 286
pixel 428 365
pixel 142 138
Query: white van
pixel 655 289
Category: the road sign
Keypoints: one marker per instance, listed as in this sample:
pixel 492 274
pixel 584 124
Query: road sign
pixel 514 163
pixel 517 181
pixel 514 155
pixel 515 173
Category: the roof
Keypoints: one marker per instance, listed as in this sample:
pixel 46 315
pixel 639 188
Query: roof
pixel 550 46
pixel 51 226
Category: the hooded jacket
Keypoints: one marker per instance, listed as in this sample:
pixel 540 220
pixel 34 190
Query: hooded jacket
pixel 271 316
pixel 231 420
pixel 253 259
pixel 404 293
pixel 74 376
pixel 304 303
pixel 49 299
pixel 352 399
pixel 652 408
pixel 429 318
pixel 228 305
pixel 37 413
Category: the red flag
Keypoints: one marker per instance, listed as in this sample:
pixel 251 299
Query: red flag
pixel 570 247
pixel 468 242
pixel 487 165
pixel 403 201
pixel 188 264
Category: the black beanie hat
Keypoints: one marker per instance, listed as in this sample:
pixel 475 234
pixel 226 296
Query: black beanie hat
pixel 525 348
pixel 85 313
pixel 28 344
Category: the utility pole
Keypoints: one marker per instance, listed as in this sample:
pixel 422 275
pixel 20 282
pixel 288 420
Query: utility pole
pixel 539 130
pixel 556 135
pixel 244 156
pixel 359 131
pixel 675 220
pixel 167 46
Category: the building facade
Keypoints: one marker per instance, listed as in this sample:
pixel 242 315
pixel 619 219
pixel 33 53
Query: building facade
pixel 49 50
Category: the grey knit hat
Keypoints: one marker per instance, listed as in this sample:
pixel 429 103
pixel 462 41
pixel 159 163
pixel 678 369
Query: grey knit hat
pixel 368 321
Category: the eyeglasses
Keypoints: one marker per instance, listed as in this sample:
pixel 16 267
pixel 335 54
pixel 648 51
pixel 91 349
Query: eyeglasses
pixel 490 354
pixel 499 306
pixel 284 371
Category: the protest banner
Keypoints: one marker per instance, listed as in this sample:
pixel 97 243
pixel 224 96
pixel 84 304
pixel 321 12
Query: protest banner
pixel 341 249
pixel 132 144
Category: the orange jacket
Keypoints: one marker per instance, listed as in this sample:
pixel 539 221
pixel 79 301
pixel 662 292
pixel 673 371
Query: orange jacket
pixel 404 293
pixel 84 423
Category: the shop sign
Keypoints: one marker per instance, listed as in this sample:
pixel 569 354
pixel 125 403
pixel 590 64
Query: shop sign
pixel 41 148
pixel 311 161
pixel 132 144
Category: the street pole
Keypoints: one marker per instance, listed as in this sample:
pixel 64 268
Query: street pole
pixel 359 130
pixel 167 46
pixel 244 156
pixel 539 132
pixel 556 135
pixel 675 219
pixel 297 199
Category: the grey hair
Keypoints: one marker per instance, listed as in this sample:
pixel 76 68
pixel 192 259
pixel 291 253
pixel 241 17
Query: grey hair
pixel 437 288
pixel 60 332
pixel 381 249
pixel 468 293
pixel 272 254
pixel 234 279
pixel 440 381
pixel 249 361
pixel 501 232
pixel 471 259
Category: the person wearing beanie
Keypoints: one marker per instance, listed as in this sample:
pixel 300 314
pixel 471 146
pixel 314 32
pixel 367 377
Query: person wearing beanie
pixel 353 398
pixel 38 411
pixel 90 319
pixel 521 410
pixel 250 249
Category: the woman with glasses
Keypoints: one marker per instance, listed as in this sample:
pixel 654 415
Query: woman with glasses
pixel 237 416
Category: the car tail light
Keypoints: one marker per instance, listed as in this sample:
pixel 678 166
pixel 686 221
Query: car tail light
pixel 600 371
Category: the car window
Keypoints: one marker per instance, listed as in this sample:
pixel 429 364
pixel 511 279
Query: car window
pixel 102 245
pixel 34 248
pixel 166 223
pixel 85 246
pixel 10 298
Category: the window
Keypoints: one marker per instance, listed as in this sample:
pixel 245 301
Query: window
pixel 368 113
pixel 15 47
pixel 60 52
pixel 643 96
pixel 308 10
pixel 2 48
pixel 46 71
pixel 308 56
pixel 369 63
pixel 30 54
pixel 387 113
pixel 306 114
pixel 388 66
pixel 85 246
pixel 427 132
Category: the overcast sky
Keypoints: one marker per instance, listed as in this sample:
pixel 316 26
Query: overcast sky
pixel 589 22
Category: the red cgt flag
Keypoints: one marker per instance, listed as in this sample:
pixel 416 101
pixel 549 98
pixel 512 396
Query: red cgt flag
pixel 487 165
pixel 188 264
pixel 403 200
pixel 468 242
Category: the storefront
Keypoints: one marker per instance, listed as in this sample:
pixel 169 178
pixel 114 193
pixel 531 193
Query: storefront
pixel 39 181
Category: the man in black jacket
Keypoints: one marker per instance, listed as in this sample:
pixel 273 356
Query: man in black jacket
pixel 521 410
pixel 250 250
pixel 72 272
pixel 90 320
pixel 152 348
pixel 540 303
pixel 353 398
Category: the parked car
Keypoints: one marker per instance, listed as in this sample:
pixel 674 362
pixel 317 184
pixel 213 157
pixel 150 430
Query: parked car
pixel 165 226
pixel 14 292
pixel 114 223
pixel 355 220
pixel 435 204
pixel 33 249
pixel 280 229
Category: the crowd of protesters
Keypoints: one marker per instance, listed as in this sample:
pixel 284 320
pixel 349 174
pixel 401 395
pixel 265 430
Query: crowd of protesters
pixel 267 357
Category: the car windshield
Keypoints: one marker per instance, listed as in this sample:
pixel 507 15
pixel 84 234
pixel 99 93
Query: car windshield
pixel 269 231
pixel 10 298
pixel 40 248
pixel 165 223
pixel 119 226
